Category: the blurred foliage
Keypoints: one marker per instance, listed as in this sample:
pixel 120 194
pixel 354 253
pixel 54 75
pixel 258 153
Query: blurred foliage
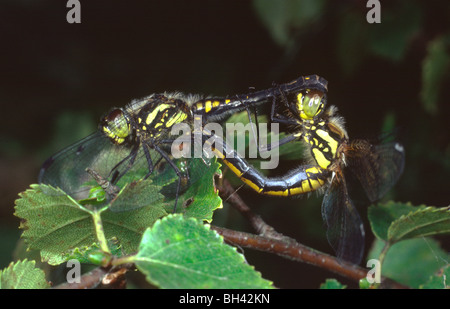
pixel 382 76
pixel 412 262
pixel 330 284
pixel 284 18
pixel 436 66
pixel 405 230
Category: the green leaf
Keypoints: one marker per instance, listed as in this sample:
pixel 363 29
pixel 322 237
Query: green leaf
pixel 129 226
pixel 137 194
pixel 293 150
pixel 56 224
pixel 94 255
pixel 389 122
pixel 180 252
pixel 352 38
pixel 282 18
pixel 381 216
pixel 199 201
pixel 364 284
pixel 394 222
pixel 399 23
pixel 423 222
pixel 411 262
pixel 138 205
pixel 53 223
pixel 434 69
pixel 23 275
pixel 404 227
pixel 439 280
pixel 332 284
pixel 201 198
pixel 288 151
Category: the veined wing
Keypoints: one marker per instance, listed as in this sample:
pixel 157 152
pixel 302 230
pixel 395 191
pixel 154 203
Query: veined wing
pixel 378 167
pixel 67 168
pixel 345 231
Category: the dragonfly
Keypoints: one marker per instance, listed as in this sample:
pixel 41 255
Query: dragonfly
pixel 131 142
pixel 331 156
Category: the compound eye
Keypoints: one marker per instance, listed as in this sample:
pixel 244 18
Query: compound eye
pixel 116 126
pixel 114 114
pixel 312 104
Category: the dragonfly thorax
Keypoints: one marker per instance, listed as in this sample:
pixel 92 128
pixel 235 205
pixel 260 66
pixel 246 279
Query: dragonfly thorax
pixel 160 116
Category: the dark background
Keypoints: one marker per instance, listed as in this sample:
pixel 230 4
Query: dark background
pixel 57 79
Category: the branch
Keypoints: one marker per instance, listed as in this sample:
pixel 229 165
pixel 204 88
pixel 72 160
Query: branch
pixel 269 240
pixel 229 194
pixel 101 277
pixel 298 252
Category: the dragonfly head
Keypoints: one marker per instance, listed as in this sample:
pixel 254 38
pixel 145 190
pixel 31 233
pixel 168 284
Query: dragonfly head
pixel 116 126
pixel 310 104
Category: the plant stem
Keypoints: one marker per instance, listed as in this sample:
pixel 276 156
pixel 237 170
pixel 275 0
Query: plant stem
pixel 96 215
pixel 130 259
pixel 383 252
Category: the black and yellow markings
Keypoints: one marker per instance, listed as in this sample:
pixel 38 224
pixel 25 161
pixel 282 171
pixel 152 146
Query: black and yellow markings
pixel 305 82
pixel 378 168
pixel 163 115
pixel 218 108
pixel 178 117
pixel 323 147
pixel 157 117
pixel 304 179
pixel 157 114
pixel 320 130
pixel 309 92
pixel 322 144
pixel 210 105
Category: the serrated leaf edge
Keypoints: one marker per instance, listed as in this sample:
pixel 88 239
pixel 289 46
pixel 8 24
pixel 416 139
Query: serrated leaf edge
pixel 216 235
pixel 408 216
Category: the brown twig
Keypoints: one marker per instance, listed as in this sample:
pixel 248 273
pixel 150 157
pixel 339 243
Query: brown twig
pixel 101 277
pixel 269 240
pixel 229 194
pixel 301 253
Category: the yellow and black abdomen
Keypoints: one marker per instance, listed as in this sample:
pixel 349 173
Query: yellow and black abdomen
pixel 214 109
pixel 301 180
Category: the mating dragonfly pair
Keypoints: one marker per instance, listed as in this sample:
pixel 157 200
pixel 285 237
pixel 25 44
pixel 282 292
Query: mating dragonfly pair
pixel 133 141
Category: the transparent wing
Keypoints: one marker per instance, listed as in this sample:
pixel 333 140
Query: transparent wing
pixel 378 167
pixel 67 168
pixel 345 231
pixel 119 165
